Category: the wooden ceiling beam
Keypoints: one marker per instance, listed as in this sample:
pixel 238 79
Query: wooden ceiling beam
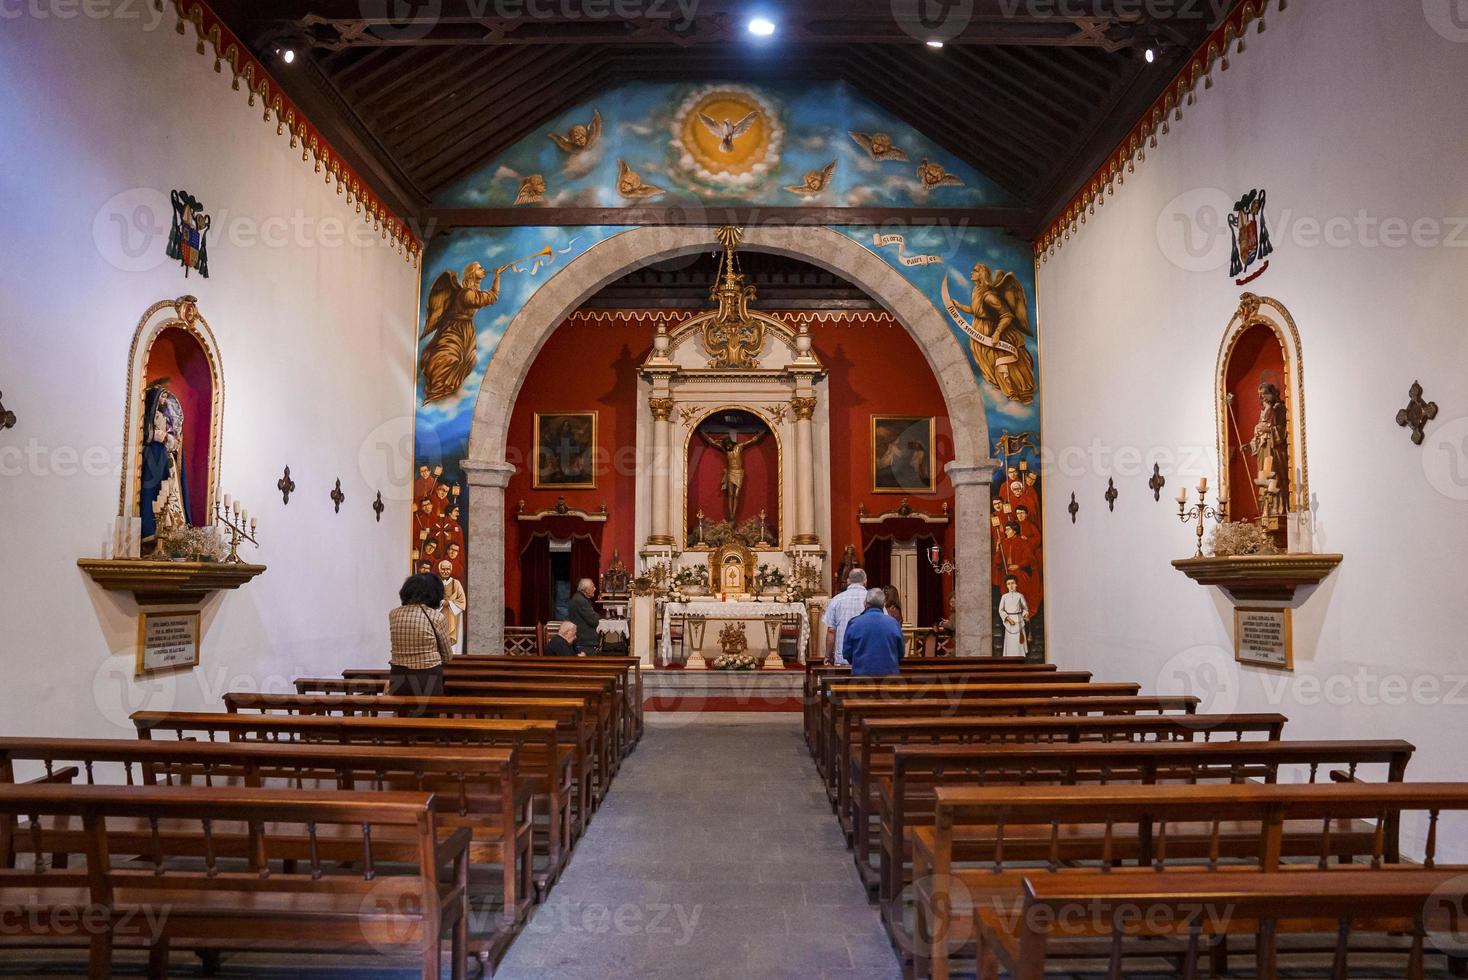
pixel 489 109
pixel 1029 135
pixel 480 151
pixel 407 111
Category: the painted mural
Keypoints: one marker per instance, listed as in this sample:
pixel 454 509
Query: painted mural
pixel 684 146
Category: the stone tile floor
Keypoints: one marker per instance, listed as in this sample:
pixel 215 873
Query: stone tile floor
pixel 715 855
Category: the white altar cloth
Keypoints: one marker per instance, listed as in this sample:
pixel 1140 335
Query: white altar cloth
pixel 749 611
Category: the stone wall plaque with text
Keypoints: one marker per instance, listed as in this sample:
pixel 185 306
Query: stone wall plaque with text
pixel 167 641
pixel 1263 637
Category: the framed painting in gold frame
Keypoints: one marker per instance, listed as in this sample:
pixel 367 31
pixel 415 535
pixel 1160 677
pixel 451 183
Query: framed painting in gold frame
pixel 565 450
pixel 902 454
pixel 167 641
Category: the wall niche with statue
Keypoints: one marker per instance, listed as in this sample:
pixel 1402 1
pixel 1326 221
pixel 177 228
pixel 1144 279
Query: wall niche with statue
pixel 169 535
pixel 1263 548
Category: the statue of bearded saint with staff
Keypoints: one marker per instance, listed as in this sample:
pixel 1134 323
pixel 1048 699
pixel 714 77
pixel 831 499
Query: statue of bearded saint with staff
pixel 448 358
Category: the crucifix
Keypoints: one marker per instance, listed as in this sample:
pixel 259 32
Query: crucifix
pixel 733 480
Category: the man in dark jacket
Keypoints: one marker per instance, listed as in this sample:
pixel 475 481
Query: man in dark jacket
pixel 582 612
pixel 873 640
pixel 563 643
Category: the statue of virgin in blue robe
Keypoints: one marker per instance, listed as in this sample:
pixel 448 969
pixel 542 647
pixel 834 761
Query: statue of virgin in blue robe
pixel 163 423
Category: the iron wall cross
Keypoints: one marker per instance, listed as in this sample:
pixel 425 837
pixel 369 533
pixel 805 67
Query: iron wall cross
pixel 286 486
pixel 1111 494
pixel 1074 508
pixel 337 496
pixel 379 506
pixel 7 418
pixel 1157 482
pixel 1417 413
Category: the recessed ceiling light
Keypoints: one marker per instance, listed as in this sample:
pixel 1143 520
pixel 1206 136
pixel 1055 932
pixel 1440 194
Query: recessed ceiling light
pixel 288 55
pixel 761 26
pixel 1151 55
pixel 935 43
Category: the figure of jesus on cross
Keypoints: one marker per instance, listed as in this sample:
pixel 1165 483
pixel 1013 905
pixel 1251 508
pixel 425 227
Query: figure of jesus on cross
pixel 732 483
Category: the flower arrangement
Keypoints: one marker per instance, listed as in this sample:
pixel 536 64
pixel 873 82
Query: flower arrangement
pixel 692 579
pixel 184 543
pixel 735 661
pixel 768 579
pixel 1241 538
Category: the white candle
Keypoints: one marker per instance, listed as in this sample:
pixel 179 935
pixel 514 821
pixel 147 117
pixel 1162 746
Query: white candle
pixel 1203 485
pixel 236 508
pixel 252 525
pixel 1182 496
pixel 244 515
pixel 226 501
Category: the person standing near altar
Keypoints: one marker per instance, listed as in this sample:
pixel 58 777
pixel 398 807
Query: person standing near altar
pixel 842 610
pixel 1014 613
pixel 874 639
pixel 581 611
pixel 454 601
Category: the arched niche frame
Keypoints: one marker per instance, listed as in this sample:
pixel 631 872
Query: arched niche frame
pixel 1261 342
pixel 173 334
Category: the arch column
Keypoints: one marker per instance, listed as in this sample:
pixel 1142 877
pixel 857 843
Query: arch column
pixel 486 613
pixel 662 471
pixel 805 461
pixel 972 616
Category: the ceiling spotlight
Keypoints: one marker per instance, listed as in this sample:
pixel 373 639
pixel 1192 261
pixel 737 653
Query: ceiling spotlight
pixel 288 55
pixel 935 43
pixel 761 26
pixel 1151 55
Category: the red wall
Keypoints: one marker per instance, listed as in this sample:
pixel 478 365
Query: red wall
pixel 176 355
pixel 582 367
pixel 875 368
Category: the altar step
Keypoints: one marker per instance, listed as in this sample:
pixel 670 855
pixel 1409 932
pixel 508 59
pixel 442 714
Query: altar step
pixel 722 690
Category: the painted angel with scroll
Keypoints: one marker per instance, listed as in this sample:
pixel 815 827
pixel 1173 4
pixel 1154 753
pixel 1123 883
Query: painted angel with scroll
pixel 453 344
pixel 997 334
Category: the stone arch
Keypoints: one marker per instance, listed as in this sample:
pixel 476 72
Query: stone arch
pixel 488 473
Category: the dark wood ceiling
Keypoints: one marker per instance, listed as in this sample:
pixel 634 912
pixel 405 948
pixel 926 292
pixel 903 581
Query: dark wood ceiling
pixel 782 283
pixel 1031 93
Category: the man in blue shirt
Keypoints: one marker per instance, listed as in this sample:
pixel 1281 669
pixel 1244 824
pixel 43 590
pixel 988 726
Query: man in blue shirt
pixel 874 639
pixel 840 611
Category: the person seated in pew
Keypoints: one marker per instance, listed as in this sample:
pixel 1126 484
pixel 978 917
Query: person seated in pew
pixel 420 642
pixel 873 641
pixel 563 644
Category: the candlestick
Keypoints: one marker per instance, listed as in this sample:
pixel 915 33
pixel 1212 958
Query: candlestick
pixel 1199 512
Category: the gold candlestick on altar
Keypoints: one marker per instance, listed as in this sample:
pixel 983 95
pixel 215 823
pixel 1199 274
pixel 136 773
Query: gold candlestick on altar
pixel 1200 511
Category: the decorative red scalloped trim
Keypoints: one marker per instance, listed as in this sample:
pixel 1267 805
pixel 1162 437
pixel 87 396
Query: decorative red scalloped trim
pixel 289 118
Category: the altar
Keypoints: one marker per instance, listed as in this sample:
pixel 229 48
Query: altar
pixel 770 618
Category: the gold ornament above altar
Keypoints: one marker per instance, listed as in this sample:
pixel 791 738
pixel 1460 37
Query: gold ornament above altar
pixel 733 337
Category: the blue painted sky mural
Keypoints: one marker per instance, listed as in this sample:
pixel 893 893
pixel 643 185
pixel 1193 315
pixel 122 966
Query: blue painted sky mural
pixel 660 134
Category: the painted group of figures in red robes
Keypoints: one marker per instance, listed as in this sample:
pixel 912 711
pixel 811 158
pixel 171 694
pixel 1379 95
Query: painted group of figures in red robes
pixel 438 522
pixel 1017 539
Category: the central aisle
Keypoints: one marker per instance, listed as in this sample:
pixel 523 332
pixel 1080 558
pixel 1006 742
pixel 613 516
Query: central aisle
pixel 715 855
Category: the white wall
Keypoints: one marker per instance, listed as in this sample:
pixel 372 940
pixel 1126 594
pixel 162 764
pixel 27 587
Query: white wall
pixel 101 117
pixel 1340 107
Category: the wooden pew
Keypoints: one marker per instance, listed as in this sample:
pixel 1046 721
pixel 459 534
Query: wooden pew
pixel 904 799
pixel 631 665
pixel 871 758
pixel 936 684
pixel 544 760
pixel 155 904
pixel 844 708
pixel 475 789
pixel 834 696
pixel 601 687
pixel 816 672
pixel 570 713
pixel 1188 910
pixel 1016 831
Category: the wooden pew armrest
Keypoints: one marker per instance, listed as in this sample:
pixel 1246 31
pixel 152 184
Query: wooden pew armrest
pixel 65 775
pixel 453 847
